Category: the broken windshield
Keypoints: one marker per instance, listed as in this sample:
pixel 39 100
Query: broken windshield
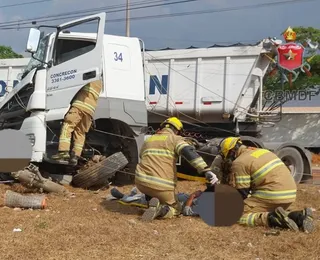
pixel 39 56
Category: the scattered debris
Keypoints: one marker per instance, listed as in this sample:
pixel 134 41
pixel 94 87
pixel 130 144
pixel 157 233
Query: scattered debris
pixel 15 200
pixel 272 233
pixel 31 177
pixel 249 245
pixel 132 221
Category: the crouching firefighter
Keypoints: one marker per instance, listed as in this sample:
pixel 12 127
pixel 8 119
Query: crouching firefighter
pixel 78 121
pixel 156 173
pixel 267 187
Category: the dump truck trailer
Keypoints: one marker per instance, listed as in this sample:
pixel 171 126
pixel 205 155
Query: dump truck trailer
pixel 217 92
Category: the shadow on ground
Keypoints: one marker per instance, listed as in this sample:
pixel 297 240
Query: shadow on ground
pixel 115 206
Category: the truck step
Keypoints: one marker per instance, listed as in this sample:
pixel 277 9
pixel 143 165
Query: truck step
pixel 56 162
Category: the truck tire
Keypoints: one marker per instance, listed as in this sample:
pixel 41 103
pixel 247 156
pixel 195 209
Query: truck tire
pixel 130 151
pixel 98 175
pixel 292 158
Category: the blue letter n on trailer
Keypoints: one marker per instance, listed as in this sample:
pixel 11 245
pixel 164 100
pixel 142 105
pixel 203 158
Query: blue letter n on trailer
pixel 155 83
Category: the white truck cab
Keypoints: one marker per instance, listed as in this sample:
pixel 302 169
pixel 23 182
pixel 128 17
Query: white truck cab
pixel 61 64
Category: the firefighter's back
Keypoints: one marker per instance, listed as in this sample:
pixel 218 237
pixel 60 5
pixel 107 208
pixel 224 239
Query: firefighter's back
pixel 157 166
pixel 270 177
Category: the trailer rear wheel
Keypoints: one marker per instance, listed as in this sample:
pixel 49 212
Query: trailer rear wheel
pixel 293 159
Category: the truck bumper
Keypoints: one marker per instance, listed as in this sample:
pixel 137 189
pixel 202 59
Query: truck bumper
pixel 35 128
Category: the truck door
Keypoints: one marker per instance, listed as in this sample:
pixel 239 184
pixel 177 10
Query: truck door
pixel 76 60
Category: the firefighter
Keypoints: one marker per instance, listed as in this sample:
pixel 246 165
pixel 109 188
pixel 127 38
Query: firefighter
pixel 266 184
pixel 156 173
pixel 78 121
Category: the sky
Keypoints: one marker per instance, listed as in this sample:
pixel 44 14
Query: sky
pixel 248 25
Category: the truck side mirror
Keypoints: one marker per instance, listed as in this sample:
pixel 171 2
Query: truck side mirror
pixel 33 40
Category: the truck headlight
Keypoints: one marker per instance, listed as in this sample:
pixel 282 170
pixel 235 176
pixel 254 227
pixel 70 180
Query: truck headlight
pixel 32 139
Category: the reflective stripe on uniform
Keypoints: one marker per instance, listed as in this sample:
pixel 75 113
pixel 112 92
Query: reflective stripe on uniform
pixel 259 153
pixel 275 195
pixel 180 146
pixel 154 180
pixel 86 106
pixel 198 163
pixel 78 146
pixel 248 219
pixel 156 138
pixel 265 169
pixel 89 89
pixel 158 152
pixel 243 181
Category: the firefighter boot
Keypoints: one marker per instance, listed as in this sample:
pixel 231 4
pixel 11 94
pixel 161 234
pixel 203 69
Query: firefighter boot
pixel 155 210
pixel 116 193
pixel 279 219
pixel 61 156
pixel 303 219
pixel 73 159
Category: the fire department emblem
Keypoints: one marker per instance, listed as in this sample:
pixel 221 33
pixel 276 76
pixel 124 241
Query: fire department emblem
pixel 290 56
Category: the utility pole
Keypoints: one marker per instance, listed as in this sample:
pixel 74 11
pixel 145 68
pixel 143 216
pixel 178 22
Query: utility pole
pixel 127 20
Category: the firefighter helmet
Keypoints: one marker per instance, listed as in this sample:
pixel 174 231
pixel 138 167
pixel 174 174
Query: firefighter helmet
pixel 228 144
pixel 175 122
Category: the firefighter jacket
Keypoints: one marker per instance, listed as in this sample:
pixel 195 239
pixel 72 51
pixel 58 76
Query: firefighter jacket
pixel 87 98
pixel 158 157
pixel 264 174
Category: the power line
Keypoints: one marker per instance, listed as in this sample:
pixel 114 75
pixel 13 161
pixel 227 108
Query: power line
pixel 26 3
pixel 187 13
pixel 79 13
pixel 213 11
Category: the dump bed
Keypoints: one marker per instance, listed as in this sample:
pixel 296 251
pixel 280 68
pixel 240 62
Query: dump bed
pixel 9 71
pixel 203 83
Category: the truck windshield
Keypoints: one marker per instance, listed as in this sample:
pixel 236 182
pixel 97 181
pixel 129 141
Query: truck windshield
pixel 39 56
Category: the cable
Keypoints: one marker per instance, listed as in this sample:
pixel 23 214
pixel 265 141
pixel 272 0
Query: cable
pixel 109 7
pixel 189 13
pixel 26 3
pixel 93 11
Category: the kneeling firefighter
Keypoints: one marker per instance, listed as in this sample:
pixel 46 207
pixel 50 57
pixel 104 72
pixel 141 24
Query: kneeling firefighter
pixel 266 184
pixel 156 173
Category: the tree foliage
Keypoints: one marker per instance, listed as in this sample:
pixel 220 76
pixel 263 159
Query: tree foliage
pixel 303 35
pixel 6 52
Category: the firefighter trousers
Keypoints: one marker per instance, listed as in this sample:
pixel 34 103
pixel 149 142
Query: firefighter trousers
pixel 256 211
pixel 78 123
pixel 166 198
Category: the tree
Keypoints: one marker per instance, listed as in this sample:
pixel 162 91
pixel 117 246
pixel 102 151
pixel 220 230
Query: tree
pixel 6 52
pixel 303 35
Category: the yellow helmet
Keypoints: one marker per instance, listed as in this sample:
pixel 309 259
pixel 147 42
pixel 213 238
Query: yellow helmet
pixel 228 144
pixel 175 122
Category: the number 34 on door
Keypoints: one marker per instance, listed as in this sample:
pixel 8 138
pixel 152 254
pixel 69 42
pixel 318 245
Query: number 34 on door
pixel 118 56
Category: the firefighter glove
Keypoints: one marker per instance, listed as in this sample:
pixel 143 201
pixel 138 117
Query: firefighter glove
pixel 211 177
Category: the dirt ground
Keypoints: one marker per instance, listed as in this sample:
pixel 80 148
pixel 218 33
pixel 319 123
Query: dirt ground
pixel 316 158
pixel 87 226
